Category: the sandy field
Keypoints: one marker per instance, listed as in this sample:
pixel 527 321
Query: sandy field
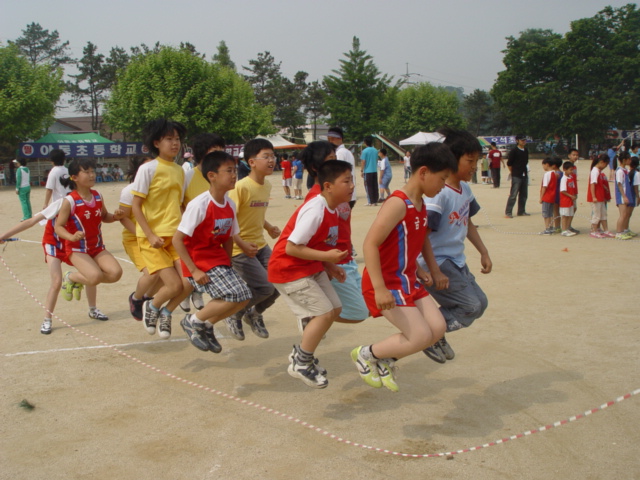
pixel 560 337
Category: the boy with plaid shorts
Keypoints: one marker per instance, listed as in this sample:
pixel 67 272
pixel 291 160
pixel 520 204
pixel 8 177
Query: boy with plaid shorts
pixel 204 241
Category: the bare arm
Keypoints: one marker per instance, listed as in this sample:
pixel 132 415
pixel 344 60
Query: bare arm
pixel 126 220
pixel 476 241
pixel 154 240
pixel 178 243
pixel 307 253
pixel 21 227
pixel 63 218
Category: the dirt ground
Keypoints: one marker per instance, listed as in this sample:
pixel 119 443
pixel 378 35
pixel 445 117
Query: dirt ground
pixel 560 337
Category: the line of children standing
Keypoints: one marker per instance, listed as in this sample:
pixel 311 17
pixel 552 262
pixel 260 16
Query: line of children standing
pixel 626 199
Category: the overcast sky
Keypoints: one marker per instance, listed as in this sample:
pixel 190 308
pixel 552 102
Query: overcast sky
pixel 456 43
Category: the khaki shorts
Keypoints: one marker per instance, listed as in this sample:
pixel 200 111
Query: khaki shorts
pixel 598 212
pixel 157 258
pixel 310 296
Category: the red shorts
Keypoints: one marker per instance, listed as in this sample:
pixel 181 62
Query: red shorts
pixel 92 252
pixel 402 298
pixel 54 251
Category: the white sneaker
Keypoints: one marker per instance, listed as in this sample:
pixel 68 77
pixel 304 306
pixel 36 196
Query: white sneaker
pixel 46 326
pixel 185 304
pixel 196 299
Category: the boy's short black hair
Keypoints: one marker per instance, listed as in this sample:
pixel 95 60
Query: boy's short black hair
pixel 285 156
pixel 213 161
pixel 493 144
pixel 22 161
pixel 573 150
pixel 557 161
pixel 567 165
pixel 547 161
pixel 368 140
pixel 383 151
pixel 202 142
pixel 435 156
pixel 156 129
pixel 336 131
pixel 460 142
pixel 57 156
pixel 330 170
pixel 521 136
pixel 253 147
pixel 314 155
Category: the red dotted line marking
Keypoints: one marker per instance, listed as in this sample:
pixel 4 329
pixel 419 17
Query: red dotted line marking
pixel 310 426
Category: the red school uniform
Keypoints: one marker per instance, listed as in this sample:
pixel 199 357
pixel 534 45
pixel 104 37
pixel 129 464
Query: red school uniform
pixel 569 181
pixel 549 181
pixel 398 258
pixel 344 223
pixel 286 168
pixel 85 217
pixel 313 224
pixel 52 244
pixel 207 226
pixel 602 186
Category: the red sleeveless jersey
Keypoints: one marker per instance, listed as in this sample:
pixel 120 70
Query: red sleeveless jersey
pixel 85 217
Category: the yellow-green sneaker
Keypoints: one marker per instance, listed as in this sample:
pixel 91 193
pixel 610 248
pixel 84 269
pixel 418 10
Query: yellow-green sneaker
pixel 368 369
pixel 77 290
pixel 386 369
pixel 67 287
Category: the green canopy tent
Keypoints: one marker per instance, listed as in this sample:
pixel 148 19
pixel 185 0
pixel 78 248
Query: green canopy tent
pixel 73 138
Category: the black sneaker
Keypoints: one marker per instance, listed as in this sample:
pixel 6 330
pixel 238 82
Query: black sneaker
pixel 195 333
pixel 434 353
pixel 446 349
pixel 135 307
pixel 316 363
pixel 149 317
pixel 256 322
pixel 164 325
pixel 307 372
pixel 210 336
pixel 524 214
pixel 234 324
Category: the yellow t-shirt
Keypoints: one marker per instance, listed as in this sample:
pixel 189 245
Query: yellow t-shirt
pixel 160 183
pixel 195 184
pixel 252 200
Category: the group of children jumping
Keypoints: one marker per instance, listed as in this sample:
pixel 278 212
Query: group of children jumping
pixel 204 232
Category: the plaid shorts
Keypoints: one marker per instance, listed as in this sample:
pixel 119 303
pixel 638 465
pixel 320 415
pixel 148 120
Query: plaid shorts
pixel 224 284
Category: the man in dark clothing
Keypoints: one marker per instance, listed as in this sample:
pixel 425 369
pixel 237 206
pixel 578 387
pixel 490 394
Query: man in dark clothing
pixel 517 164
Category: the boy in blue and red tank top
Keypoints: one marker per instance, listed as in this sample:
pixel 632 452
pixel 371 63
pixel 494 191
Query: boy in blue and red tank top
pixel 390 282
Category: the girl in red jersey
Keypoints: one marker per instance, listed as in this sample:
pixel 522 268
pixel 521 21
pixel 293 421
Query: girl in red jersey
pixel 390 282
pixel 598 195
pixel 79 223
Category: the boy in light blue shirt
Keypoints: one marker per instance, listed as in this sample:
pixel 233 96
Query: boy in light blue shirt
pixel 449 215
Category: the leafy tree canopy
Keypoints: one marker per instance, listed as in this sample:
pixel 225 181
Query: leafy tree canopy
pixel 40 46
pixel 223 57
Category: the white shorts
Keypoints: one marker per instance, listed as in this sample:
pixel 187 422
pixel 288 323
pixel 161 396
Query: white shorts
pixel 567 211
pixel 286 182
pixel 309 296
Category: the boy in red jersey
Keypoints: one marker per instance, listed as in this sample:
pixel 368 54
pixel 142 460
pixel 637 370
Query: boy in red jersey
pixel 204 240
pixel 568 197
pixel 390 285
pixel 285 164
pixel 548 195
pixel 296 267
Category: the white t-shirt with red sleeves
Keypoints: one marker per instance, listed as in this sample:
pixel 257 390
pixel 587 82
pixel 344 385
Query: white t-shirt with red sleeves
pixel 567 184
pixel 207 226
pixel 313 224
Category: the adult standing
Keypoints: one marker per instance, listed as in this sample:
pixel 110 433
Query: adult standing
pixel 335 136
pixel 407 165
pixel 517 163
pixel 369 170
pixel 23 188
pixel 495 162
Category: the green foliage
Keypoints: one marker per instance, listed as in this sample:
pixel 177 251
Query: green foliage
pixel 40 47
pixel 28 97
pixel 223 57
pixel 483 116
pixel 583 82
pixel 423 108
pixel 177 84
pixel 315 103
pixel 359 97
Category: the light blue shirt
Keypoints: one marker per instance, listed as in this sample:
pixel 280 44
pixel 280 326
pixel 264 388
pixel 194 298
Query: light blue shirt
pixel 370 158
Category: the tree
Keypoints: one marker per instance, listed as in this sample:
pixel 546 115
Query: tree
pixel 315 103
pixel 28 97
pixel 88 90
pixel 177 84
pixel 358 94
pixel 477 109
pixel 423 107
pixel 40 47
pixel 581 83
pixel 223 57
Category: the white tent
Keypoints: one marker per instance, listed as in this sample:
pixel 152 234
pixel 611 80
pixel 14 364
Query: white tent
pixel 422 138
pixel 280 143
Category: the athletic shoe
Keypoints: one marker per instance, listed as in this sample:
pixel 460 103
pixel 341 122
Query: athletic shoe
pixel 524 214
pixel 608 234
pixel 368 369
pixel 574 230
pixel 446 349
pixel 307 372
pixel 46 326
pixel 256 322
pixel 196 299
pixel 98 315
pixel 434 353
pixel 629 232
pixel 623 236
pixel 386 368
pixel 135 307
pixel 210 337
pixel 557 230
pixel 149 317
pixel 67 287
pixel 195 333
pixel 164 325
pixel 547 231
pixel 568 233
pixel 508 215
pixel 77 290
pixel 185 305
pixel 234 324
pixel 596 235
pixel 316 363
